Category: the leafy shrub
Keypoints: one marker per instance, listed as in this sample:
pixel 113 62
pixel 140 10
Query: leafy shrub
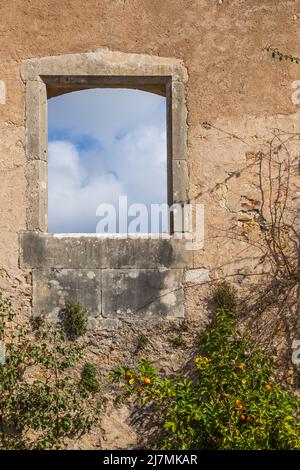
pixel 74 319
pixel 40 404
pixel 177 341
pixel 142 342
pixel 224 296
pixel 232 401
pixel 89 381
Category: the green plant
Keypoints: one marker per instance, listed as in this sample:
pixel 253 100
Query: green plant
pixel 280 55
pixel 74 319
pixel 232 401
pixel 224 295
pixel 40 403
pixel 89 381
pixel 177 341
pixel 142 342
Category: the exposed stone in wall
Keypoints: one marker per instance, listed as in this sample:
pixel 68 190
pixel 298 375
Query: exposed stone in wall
pixel 2 92
pixel 111 277
pixel 109 293
pixel 197 276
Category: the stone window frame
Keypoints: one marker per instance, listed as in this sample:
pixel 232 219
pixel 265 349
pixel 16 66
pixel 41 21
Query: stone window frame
pixel 55 75
pixel 147 273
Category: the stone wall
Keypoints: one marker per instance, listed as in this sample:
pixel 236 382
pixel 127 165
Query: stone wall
pixel 231 84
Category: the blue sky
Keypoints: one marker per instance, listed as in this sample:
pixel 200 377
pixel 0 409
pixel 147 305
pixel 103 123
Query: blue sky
pixel 102 144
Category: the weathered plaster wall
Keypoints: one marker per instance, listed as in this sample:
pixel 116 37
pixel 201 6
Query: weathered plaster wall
pixel 231 84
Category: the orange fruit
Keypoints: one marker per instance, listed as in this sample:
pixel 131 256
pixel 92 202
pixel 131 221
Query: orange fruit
pixel 147 381
pixel 249 418
pixel 139 389
pixel 268 388
pixel 243 417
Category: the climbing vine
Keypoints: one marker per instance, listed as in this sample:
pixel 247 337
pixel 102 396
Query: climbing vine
pixel 277 54
pixel 41 401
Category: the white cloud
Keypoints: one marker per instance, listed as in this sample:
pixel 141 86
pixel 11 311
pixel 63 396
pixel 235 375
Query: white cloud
pixel 72 205
pixel 103 113
pixel 129 160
